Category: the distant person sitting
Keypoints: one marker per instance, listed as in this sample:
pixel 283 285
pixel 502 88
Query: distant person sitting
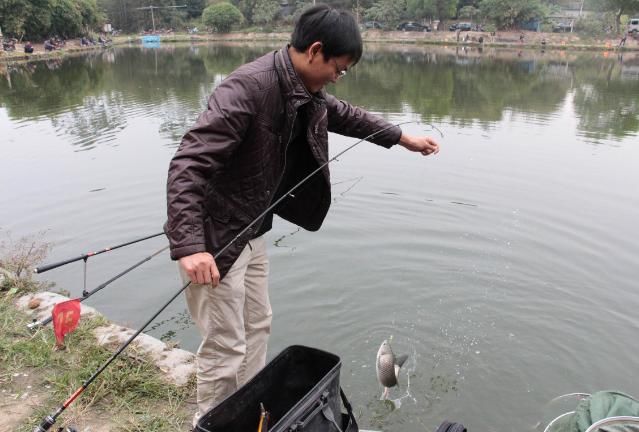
pixel 84 41
pixel 28 47
pixel 48 45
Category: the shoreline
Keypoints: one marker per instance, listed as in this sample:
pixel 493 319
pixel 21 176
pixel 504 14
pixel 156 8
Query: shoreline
pixel 532 41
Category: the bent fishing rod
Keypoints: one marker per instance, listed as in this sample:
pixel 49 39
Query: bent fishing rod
pixel 47 267
pixel 86 294
pixel 50 420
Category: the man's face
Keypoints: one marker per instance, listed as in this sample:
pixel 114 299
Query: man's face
pixel 321 70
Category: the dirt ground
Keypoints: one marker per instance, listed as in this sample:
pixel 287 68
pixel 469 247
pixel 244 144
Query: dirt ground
pixel 26 393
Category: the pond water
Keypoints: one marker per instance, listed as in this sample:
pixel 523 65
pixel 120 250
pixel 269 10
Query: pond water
pixel 506 266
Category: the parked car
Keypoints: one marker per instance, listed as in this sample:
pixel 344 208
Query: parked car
pixel 462 26
pixel 633 25
pixel 561 27
pixel 373 25
pixel 413 26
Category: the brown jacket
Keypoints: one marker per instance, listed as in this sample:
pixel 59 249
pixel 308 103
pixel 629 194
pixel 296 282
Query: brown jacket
pixel 229 165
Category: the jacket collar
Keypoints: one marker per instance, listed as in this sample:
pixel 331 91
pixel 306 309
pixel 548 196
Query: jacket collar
pixel 292 85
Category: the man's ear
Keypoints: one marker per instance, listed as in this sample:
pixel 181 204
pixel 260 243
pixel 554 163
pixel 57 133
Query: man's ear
pixel 313 50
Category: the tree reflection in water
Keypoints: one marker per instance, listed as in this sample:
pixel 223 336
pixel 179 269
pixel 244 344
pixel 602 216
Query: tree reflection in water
pixel 92 97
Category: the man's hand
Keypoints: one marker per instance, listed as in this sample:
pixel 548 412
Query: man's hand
pixel 423 144
pixel 201 268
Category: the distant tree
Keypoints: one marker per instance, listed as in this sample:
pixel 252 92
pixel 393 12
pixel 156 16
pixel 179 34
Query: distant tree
pixel 194 8
pixel 420 9
pixel 66 19
pixel 246 7
pixel 445 9
pixel 91 14
pixel 264 11
pixel 20 17
pixel 221 17
pixel 468 12
pixel 37 19
pixel 508 13
pixel 473 3
pixel 126 14
pixel 341 4
pixel 390 11
pixel 619 8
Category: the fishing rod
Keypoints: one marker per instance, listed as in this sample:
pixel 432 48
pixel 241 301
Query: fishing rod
pixel 47 267
pixel 50 420
pixel 86 294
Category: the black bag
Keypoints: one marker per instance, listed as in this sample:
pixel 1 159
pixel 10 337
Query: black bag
pixel 300 390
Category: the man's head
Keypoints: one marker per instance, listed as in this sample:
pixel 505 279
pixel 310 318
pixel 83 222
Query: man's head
pixel 327 43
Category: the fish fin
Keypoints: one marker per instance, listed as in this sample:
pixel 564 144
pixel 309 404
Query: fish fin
pixel 401 359
pixel 384 395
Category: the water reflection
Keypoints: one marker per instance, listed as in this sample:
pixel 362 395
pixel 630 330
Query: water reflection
pixel 92 97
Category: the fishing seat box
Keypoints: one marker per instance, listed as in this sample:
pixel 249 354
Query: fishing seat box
pixel 300 390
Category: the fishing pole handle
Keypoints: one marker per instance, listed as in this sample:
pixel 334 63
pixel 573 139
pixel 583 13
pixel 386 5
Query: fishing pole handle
pixel 46 424
pixel 36 324
pixel 47 267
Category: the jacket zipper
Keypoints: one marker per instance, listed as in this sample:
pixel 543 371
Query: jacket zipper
pixel 277 186
pixel 316 129
pixel 318 122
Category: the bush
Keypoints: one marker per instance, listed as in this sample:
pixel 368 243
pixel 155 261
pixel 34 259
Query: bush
pixel 221 17
pixel 17 259
pixel 595 26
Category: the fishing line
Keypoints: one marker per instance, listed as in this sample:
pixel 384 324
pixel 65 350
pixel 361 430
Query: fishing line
pixel 50 420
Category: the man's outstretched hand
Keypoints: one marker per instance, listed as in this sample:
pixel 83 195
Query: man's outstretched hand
pixel 422 144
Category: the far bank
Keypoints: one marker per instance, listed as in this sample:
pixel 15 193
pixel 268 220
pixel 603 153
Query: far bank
pixel 500 39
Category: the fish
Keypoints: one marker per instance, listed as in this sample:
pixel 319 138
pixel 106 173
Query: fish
pixel 387 366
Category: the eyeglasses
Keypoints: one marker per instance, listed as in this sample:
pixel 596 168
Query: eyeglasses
pixel 339 71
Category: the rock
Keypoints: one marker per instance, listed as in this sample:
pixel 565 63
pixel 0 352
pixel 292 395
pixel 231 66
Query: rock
pixel 177 365
pixel 47 301
pixel 34 303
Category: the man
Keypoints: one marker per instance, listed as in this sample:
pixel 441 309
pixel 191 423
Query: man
pixel 265 129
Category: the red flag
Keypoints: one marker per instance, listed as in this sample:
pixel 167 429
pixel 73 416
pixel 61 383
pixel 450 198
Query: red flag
pixel 66 316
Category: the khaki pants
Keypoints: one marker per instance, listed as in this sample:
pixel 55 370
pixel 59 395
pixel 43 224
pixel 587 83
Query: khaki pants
pixel 234 320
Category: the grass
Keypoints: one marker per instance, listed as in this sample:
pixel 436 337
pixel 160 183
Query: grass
pixel 129 395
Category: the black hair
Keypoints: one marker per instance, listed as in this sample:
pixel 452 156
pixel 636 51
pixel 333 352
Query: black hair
pixel 335 29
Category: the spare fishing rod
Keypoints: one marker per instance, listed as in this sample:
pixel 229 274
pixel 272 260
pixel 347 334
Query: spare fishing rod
pixel 86 294
pixel 50 420
pixel 47 267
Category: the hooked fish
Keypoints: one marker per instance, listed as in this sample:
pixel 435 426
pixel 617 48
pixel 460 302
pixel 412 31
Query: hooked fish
pixel 387 366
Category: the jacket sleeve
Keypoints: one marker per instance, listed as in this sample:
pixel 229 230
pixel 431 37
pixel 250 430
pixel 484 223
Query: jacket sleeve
pixel 204 150
pixel 346 119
